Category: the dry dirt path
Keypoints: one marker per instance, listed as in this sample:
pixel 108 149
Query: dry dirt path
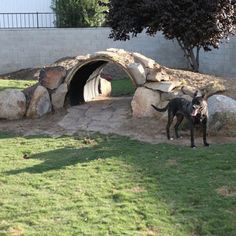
pixel 112 115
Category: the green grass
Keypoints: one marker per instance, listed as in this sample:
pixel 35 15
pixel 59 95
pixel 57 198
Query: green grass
pixel 122 87
pixel 111 185
pixel 15 84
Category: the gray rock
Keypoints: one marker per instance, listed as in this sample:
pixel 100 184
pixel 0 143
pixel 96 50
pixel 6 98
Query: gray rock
pixel 173 94
pixel 12 104
pixel 222 113
pixel 155 76
pixel 138 73
pixel 83 57
pixel 58 97
pixel 145 61
pixel 142 100
pixel 164 86
pixel 52 77
pixel 116 50
pixel 105 53
pixel 40 103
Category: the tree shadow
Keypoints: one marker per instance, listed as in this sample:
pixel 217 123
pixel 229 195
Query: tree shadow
pixel 182 178
pixel 60 158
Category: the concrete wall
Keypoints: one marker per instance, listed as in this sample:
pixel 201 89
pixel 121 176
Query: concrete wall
pixel 38 47
pixel 220 61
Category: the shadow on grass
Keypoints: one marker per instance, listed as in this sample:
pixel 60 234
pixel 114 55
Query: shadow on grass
pixel 54 160
pixel 185 179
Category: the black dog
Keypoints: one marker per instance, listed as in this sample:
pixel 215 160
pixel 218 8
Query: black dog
pixel 196 112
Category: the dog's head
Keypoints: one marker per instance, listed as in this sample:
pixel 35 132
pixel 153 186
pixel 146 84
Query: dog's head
pixel 199 104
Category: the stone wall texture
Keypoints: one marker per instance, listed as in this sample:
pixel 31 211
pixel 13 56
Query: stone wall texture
pixel 28 48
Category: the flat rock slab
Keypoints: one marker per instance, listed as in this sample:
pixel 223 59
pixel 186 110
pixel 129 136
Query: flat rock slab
pixel 164 86
pixel 99 116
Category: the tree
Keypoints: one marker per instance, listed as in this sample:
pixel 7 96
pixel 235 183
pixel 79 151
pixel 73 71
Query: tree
pixel 195 24
pixel 78 13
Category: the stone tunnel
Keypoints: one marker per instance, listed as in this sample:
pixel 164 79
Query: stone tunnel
pixel 79 83
pixel 90 67
pixel 83 79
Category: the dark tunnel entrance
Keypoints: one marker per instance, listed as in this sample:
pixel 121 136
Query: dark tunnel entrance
pixel 76 88
pixel 81 75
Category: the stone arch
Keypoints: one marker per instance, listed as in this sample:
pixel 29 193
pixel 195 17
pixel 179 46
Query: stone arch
pixel 156 84
pixel 79 75
pixel 133 64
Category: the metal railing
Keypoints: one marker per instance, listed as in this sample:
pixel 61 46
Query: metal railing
pixel 27 20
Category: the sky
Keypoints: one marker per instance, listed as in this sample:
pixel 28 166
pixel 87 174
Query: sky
pixel 13 6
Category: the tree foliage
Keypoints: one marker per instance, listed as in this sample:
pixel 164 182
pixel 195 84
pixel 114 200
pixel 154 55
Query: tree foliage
pixel 78 13
pixel 195 24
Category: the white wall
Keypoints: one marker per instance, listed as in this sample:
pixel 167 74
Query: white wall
pixel 38 47
pixel 13 6
pixel 220 61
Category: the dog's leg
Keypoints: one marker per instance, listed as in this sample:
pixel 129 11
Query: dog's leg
pixel 204 132
pixel 192 134
pixel 168 129
pixel 180 118
pixel 170 120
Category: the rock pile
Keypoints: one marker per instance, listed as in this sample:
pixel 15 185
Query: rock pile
pixel 155 84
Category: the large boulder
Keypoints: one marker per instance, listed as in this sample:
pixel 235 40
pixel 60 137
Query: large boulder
pixel 52 77
pixel 40 103
pixel 12 104
pixel 138 73
pixel 58 97
pixel 222 114
pixel 142 100
pixel 29 93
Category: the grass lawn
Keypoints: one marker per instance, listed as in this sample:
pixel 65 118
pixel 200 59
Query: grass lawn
pixel 122 87
pixel 16 84
pixel 111 185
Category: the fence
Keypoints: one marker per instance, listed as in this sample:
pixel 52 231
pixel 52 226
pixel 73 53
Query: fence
pixel 43 20
pixel 27 20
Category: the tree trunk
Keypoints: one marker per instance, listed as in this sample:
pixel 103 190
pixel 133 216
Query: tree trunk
pixel 191 57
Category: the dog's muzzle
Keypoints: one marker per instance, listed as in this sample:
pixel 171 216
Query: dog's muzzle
pixel 195 110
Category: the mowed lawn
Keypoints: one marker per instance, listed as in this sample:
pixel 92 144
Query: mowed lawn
pixel 16 84
pixel 120 87
pixel 111 185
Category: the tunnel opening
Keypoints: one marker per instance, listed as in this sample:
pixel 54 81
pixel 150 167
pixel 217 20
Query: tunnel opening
pixel 85 80
pixel 78 81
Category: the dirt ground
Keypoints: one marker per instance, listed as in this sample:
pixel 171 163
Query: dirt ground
pixel 112 115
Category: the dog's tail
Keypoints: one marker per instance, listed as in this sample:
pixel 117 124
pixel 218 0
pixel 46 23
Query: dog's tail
pixel 160 109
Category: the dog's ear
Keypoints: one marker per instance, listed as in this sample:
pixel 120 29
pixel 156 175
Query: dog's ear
pixel 204 95
pixel 195 94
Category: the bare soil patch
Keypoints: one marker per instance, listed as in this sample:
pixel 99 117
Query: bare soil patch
pixel 226 191
pixel 106 117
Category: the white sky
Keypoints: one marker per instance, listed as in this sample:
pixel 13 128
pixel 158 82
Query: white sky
pixel 13 6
